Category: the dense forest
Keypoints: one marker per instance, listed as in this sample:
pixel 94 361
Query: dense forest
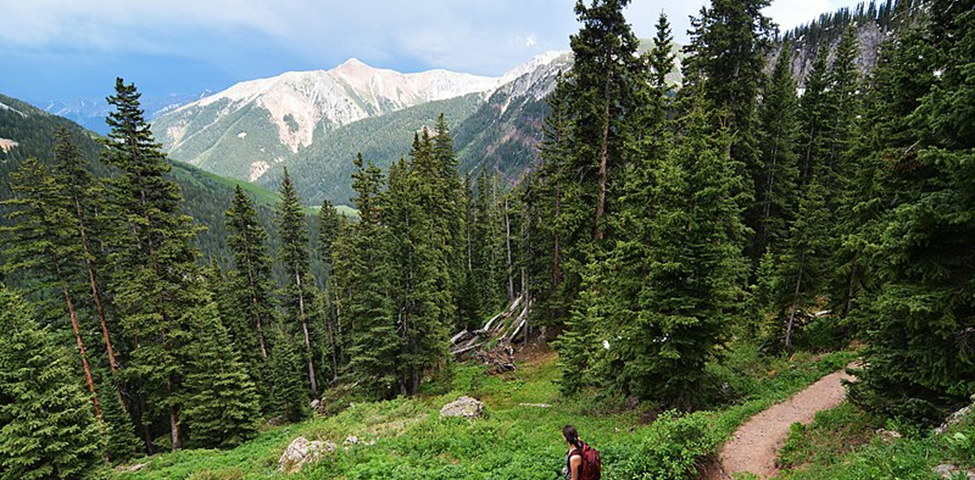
pixel 660 225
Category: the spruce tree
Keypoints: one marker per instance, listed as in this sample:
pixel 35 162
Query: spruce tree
pixel 605 70
pixel 288 396
pixel 802 262
pixel 919 364
pixel 222 401
pixel 330 227
pixel 47 429
pixel 726 56
pixel 775 181
pixel 154 277
pixel 544 198
pixel 815 111
pixel 695 266
pixel 368 318
pixel 86 195
pixel 251 284
pixel 421 289
pixel 42 241
pixel 294 255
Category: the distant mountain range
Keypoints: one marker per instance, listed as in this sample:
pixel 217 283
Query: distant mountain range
pixel 315 122
pixel 91 112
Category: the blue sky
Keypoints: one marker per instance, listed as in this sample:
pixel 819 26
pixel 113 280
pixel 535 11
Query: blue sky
pixel 68 49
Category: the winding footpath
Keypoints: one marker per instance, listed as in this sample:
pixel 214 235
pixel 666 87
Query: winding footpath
pixel 755 445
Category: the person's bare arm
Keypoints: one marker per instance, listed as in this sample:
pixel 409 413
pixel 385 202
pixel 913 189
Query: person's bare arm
pixel 575 464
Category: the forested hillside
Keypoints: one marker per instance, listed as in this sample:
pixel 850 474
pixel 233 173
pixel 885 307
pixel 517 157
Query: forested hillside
pixel 691 252
pixel 207 195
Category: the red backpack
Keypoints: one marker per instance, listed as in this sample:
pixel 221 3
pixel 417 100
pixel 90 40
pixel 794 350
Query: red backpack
pixel 592 466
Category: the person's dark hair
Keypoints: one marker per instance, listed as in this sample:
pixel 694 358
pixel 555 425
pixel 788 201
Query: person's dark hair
pixel 571 434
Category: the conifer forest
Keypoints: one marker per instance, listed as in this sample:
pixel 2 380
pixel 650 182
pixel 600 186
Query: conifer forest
pixel 783 195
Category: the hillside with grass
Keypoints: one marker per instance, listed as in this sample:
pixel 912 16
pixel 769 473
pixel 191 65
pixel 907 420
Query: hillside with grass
pixel 519 436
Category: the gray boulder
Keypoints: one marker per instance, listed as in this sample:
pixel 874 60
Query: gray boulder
pixel 465 406
pixel 301 452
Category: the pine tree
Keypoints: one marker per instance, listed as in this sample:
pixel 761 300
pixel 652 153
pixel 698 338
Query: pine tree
pixel 222 401
pixel 602 81
pixel 695 267
pixel 251 278
pixel 775 181
pixel 919 364
pixel 544 198
pixel 368 307
pixel 288 395
pixel 120 434
pixel 815 111
pixel 47 429
pixel 294 255
pixel 421 289
pixel 330 228
pixel 42 241
pixel 85 194
pixel 726 56
pixel 804 256
pixel 153 270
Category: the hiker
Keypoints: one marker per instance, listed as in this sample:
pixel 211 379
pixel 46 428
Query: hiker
pixel 581 461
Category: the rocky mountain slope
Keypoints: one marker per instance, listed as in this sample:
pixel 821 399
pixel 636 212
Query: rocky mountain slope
pixel 246 129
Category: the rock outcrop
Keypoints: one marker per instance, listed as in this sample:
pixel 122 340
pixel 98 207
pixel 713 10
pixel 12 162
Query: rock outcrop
pixel 465 407
pixel 302 452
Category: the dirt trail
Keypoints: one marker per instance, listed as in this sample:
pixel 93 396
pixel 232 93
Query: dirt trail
pixel 755 445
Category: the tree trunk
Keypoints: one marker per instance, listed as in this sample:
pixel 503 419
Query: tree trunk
pixel 304 329
pixel 603 160
pixel 95 294
pixel 257 317
pixel 507 239
pixel 795 301
pixel 557 268
pixel 84 353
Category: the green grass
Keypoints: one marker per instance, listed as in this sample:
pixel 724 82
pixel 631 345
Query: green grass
pixel 190 173
pixel 405 438
pixel 843 444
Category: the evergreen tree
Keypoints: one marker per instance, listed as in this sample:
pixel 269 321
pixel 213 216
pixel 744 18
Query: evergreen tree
pixel 250 281
pixel 544 198
pixel 42 241
pixel 47 429
pixel 605 71
pixel 421 251
pixel 288 394
pixel 85 195
pixel 919 364
pixel 294 255
pixel 120 434
pixel 695 267
pixel 154 277
pixel 222 401
pixel 815 111
pixel 803 260
pixel 662 55
pixel 726 56
pixel 330 227
pixel 370 327
pixel 776 178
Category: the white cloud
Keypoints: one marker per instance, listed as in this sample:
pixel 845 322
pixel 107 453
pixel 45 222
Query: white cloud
pixel 482 36
pixel 792 13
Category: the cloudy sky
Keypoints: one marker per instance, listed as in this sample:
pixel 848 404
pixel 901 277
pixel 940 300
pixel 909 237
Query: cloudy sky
pixel 68 49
